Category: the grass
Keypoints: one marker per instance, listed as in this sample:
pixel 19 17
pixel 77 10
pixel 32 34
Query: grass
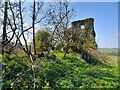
pixel 114 60
pixel 71 72
pixel 83 75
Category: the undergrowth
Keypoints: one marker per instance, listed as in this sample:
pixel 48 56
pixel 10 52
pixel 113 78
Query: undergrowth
pixel 59 73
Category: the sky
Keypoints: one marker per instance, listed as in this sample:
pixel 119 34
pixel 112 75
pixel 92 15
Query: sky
pixel 105 16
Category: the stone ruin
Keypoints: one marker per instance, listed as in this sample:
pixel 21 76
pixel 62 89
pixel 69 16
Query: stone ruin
pixel 85 30
pixel 86 27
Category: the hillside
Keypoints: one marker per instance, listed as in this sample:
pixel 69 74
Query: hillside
pixel 71 72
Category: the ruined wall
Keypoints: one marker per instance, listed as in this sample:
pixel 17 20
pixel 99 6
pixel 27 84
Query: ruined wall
pixel 84 31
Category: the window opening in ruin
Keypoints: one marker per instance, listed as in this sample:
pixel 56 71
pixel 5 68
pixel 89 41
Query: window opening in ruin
pixel 82 26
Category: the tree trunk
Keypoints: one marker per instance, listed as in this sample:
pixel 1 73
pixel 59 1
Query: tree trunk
pixel 33 24
pixel 4 38
pixel 34 47
pixel 33 71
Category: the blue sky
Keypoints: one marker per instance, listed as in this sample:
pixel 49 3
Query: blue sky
pixel 105 16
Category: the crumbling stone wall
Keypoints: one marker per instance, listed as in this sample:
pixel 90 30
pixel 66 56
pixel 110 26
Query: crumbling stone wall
pixel 84 37
pixel 84 30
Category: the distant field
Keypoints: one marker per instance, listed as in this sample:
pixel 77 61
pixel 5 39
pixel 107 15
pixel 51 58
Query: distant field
pixel 108 50
pixel 114 59
pixel 112 54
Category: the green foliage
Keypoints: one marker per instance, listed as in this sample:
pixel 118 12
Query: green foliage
pixel 59 73
pixel 16 74
pixel 64 84
pixel 42 40
pixel 19 53
pixel 72 73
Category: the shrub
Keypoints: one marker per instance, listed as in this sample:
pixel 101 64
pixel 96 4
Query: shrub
pixel 42 40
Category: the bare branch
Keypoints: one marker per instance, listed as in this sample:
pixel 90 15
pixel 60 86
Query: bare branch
pixel 21 18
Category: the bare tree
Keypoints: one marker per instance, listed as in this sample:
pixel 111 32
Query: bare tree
pixel 59 16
